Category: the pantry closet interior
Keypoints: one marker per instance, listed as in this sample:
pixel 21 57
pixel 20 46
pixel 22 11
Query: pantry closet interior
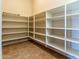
pixel 53 24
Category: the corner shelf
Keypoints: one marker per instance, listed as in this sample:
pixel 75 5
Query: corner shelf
pixel 40 27
pixel 31 27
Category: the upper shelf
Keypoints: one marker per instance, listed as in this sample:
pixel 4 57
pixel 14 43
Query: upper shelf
pixel 61 16
pixel 13 15
pixel 72 9
pixel 62 28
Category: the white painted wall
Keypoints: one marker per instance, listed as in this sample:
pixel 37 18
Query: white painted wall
pixel 23 7
pixel 43 5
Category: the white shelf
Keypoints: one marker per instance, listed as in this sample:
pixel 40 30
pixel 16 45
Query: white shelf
pixel 56 43
pixel 40 34
pixel 54 28
pixel 61 49
pixel 5 40
pixel 61 38
pixel 62 16
pixel 39 20
pixel 15 27
pixel 40 27
pixel 56 47
pixel 39 41
pixel 53 36
pixel 72 29
pixel 63 28
pixel 13 15
pixel 72 54
pixel 14 33
pixel 55 17
pixel 70 40
pixel 14 21
pixel 74 14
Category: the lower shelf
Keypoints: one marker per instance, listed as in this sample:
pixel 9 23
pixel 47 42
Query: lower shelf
pixel 37 40
pixel 73 48
pixel 59 44
pixel 14 39
pixel 56 47
pixel 40 41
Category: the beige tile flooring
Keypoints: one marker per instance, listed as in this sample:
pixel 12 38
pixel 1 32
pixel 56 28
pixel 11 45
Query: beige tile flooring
pixel 29 50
